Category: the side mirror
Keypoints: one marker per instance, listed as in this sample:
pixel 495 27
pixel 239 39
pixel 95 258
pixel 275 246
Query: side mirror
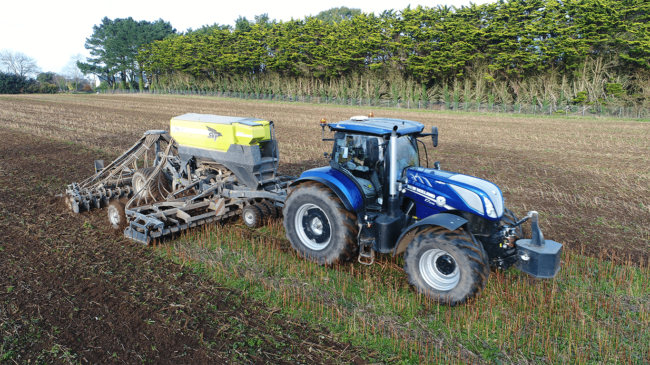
pixel 372 150
pixel 434 136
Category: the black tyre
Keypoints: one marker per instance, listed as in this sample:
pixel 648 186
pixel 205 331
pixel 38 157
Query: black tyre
pixel 318 226
pixel 266 211
pixel 447 266
pixel 273 211
pixel 138 180
pixel 253 216
pixel 509 218
pixel 160 186
pixel 116 215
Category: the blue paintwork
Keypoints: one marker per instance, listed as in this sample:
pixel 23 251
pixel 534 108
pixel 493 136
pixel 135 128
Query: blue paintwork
pixel 425 185
pixel 340 180
pixel 378 126
pixel 329 184
pixel 426 210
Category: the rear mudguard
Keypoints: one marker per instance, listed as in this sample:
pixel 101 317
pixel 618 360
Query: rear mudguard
pixel 340 184
pixel 449 221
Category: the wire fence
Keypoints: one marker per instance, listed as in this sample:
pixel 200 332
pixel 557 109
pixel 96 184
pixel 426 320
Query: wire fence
pixel 608 111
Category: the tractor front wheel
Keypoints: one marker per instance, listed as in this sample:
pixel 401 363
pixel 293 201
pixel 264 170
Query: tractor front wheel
pixel 446 266
pixel 318 226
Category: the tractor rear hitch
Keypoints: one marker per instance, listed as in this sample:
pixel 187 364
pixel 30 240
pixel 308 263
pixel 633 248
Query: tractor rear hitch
pixel 536 256
pixel 366 255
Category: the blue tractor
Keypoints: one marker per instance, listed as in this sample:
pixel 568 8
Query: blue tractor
pixel 375 197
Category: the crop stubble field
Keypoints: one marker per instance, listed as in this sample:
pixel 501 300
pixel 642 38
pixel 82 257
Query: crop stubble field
pixel 588 178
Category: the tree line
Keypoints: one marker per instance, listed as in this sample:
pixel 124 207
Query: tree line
pixel 20 74
pixel 509 51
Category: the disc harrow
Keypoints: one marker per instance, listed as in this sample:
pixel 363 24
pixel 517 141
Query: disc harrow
pixel 210 196
pixel 114 181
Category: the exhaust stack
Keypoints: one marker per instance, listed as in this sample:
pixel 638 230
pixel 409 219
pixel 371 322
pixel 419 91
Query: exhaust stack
pixel 393 199
pixel 393 162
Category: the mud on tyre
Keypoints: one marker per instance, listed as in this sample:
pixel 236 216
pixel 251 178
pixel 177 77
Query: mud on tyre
pixel 318 226
pixel 116 215
pixel 446 266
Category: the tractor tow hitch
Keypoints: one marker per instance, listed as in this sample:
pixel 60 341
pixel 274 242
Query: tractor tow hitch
pixel 366 254
pixel 367 241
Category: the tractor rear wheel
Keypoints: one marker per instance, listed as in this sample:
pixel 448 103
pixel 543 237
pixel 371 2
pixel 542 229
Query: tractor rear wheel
pixel 446 266
pixel 318 226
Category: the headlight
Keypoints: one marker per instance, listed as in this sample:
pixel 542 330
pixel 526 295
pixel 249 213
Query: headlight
pixel 489 208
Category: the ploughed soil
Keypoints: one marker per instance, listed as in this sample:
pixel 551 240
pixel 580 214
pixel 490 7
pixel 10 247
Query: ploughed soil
pixel 72 291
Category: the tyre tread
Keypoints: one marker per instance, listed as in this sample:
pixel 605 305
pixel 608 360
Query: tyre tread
pixel 473 249
pixel 348 222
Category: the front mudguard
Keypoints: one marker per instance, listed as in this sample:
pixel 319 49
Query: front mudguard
pixel 446 220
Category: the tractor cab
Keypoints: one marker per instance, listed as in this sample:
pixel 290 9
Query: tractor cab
pixel 360 151
pixel 360 156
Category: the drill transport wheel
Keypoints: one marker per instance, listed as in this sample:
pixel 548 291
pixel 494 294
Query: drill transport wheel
pixel 253 216
pixel 159 185
pixel 116 215
pixel 267 211
pixel 138 180
pixel 272 209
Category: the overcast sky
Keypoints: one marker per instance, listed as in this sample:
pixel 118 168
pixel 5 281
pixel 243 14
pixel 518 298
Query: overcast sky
pixel 52 31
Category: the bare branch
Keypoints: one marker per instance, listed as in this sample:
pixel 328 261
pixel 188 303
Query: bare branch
pixel 71 69
pixel 18 63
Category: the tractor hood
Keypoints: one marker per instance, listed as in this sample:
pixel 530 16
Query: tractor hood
pixel 445 190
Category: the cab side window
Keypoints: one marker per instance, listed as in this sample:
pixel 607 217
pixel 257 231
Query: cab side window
pixel 350 152
pixel 407 154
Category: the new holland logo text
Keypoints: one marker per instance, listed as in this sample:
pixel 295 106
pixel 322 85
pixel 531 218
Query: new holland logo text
pixel 213 134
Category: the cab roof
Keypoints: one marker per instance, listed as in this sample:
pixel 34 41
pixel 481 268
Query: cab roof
pixel 378 126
